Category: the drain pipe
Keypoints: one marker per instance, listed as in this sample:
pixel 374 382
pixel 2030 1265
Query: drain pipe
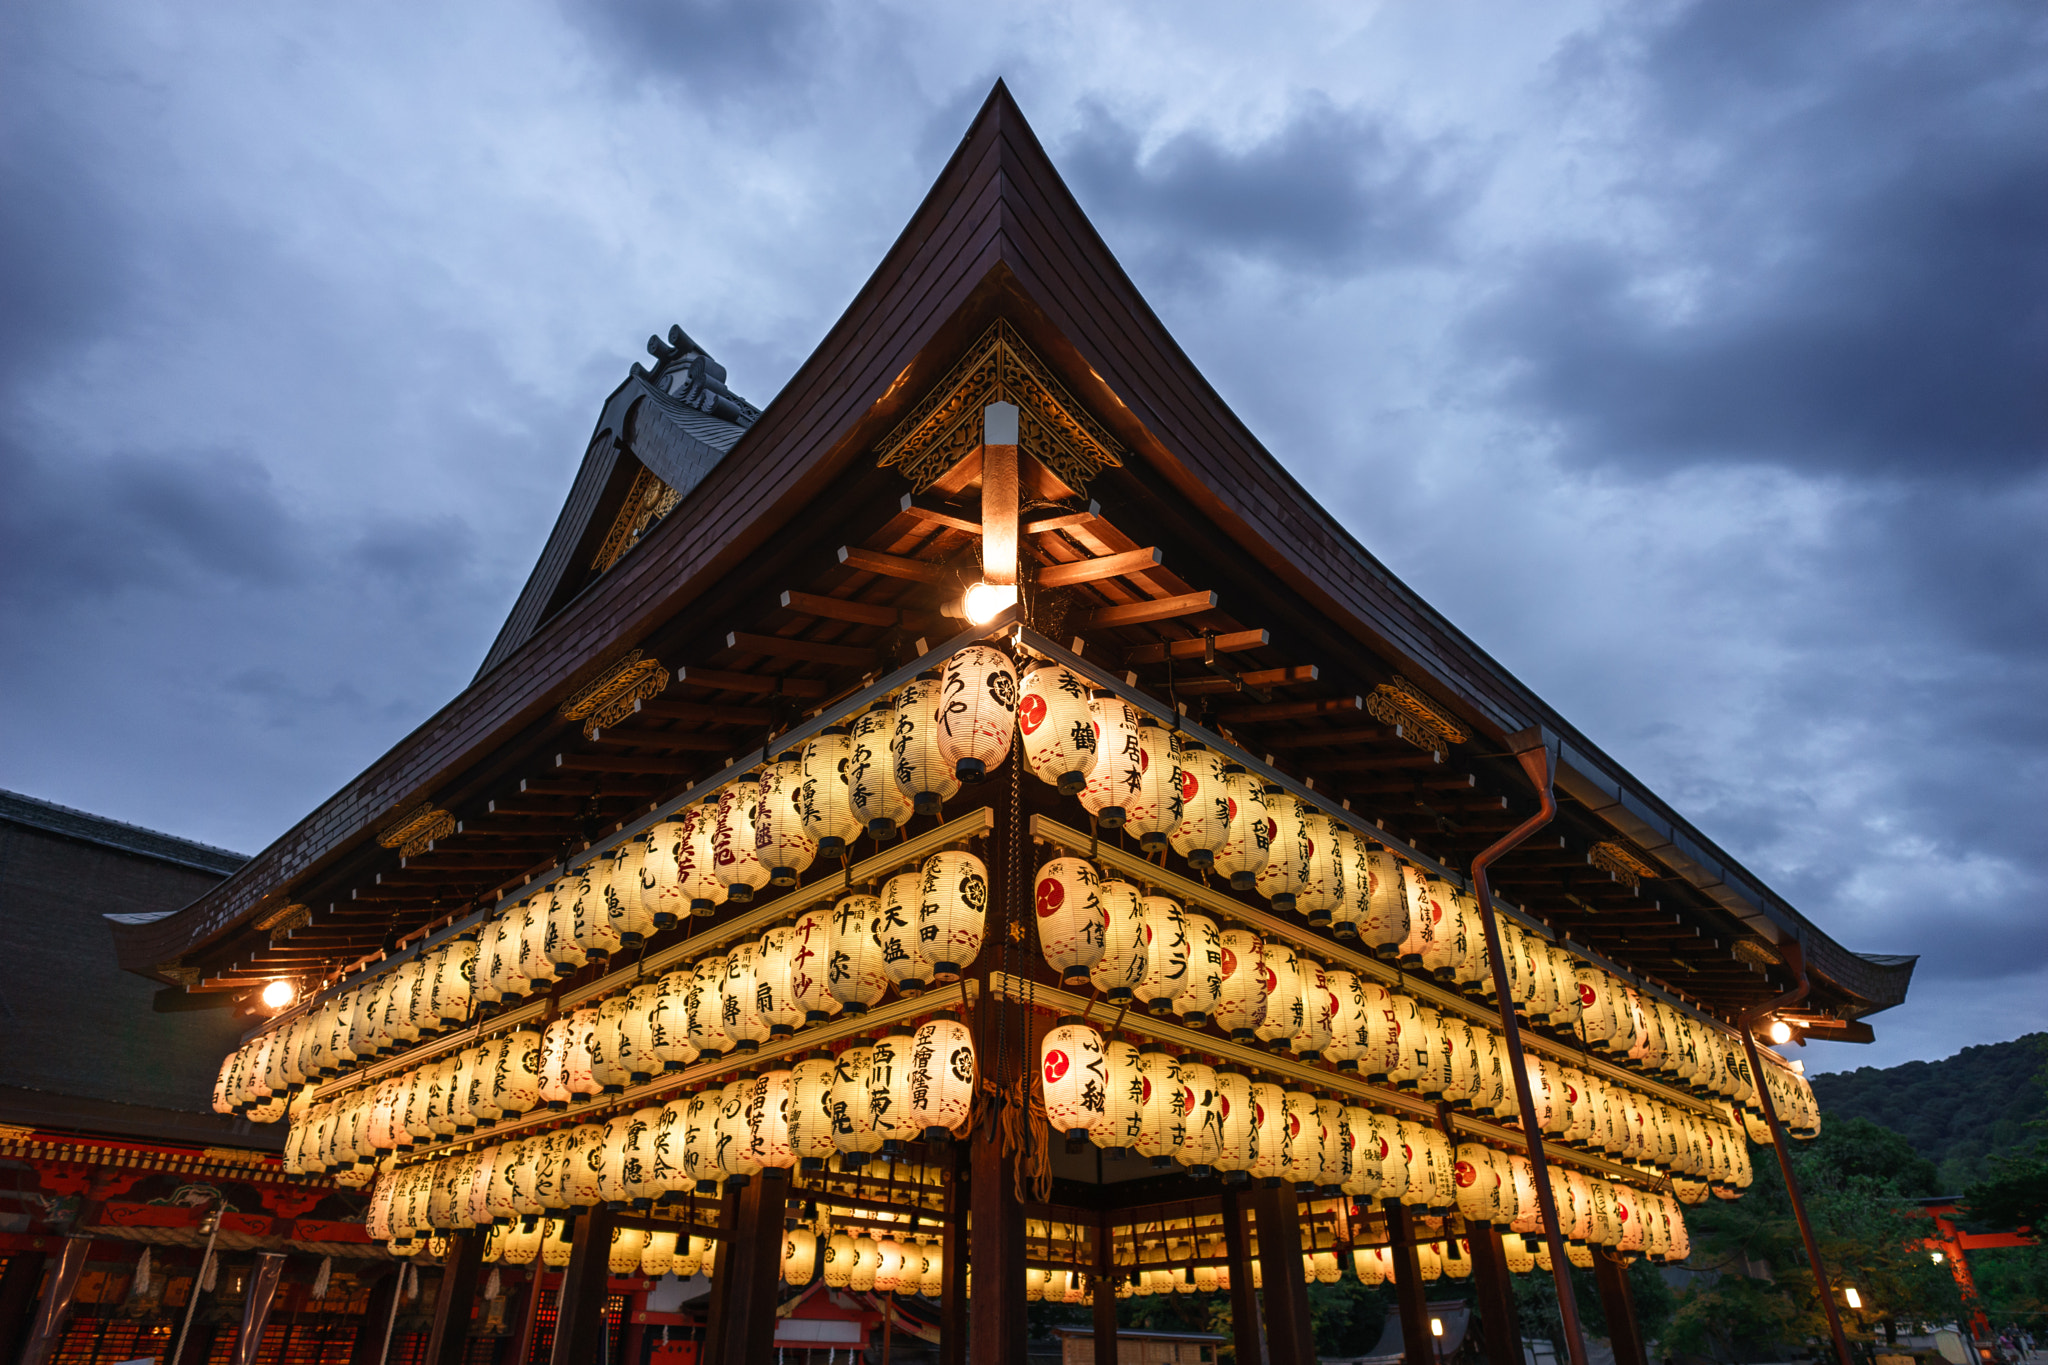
pixel 1796 960
pixel 1536 749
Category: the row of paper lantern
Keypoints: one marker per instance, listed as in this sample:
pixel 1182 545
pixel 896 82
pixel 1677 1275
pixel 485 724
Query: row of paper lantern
pixel 924 928
pixel 1180 1109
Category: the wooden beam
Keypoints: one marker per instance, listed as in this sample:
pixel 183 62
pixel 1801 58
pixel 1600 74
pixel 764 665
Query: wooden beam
pixel 1256 677
pixel 1154 609
pixel 810 651
pixel 1373 763
pixel 1290 710
pixel 1196 648
pixel 889 566
pixel 624 763
pixel 685 740
pixel 725 680
pixel 1093 570
pixel 1409 786
pixel 664 708
pixel 841 609
pixel 1064 520
pixel 933 516
pixel 1317 739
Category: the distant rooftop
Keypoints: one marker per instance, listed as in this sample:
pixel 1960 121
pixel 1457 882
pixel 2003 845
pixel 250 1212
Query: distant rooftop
pixel 115 834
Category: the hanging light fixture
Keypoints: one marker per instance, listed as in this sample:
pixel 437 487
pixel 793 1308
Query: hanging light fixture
pixel 1166 953
pixel 1162 1126
pixel 823 800
pixel 810 1110
pixel 1284 1005
pixel 773 992
pixel 810 956
pixel 1054 723
pixel 853 1129
pixel 1123 1099
pixel 922 771
pixel 696 858
pixel 888 1088
pixel 1121 967
pixel 1248 845
pixel 854 972
pixel 668 1024
pixel 1286 870
pixel 1203 984
pixel 1199 1117
pixel 942 1079
pixel 619 875
pixel 977 710
pixel 1241 992
pixel 661 891
pixel 903 959
pixel 658 1257
pixel 1152 809
pixel 877 801
pixel 786 847
pixel 1072 927
pixel 1074 1073
pixel 735 843
pixel 799 1256
pixel 1233 1110
pixel 704 1006
pixel 1205 824
pixel 743 1018
pixel 1268 1131
pixel 839 1257
pixel 1321 890
pixel 952 911
pixel 1116 774
pixel 1317 1008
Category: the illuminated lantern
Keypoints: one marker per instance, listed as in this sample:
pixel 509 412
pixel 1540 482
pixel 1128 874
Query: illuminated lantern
pixel 457 987
pixel 1521 1260
pixel 609 1062
pixel 823 801
pixel 1268 1131
pixel 1160 1124
pixel 1204 982
pixel 867 1260
pixel 1072 926
pixel 854 973
pixel 1124 1098
pixel 903 960
pixel 1317 1008
pixel 922 772
pixel 977 710
pixel 942 1079
pixel 1350 1035
pixel 696 858
pixel 639 1174
pixel 785 847
pixel 810 1110
pixel 772 985
pixel 563 942
pixel 1152 809
pixel 704 1007
pixel 1371 1265
pixel 1054 723
pixel 1300 1124
pixel 708 1266
pixel 516 1082
pixel 698 1126
pixel 743 1018
pixel 1365 1151
pixel 1121 967
pixel 1543 1092
pixel 619 887
pixel 933 1282
pixel 810 957
pixel 1426 897
pixel 952 911
pixel 483 1085
pixel 877 801
pixel 1247 846
pixel 531 917
pixel 658 1257
pixel 889 1091
pixel 1241 991
pixel 1322 886
pixel 1204 806
pixel 1116 774
pixel 507 972
pixel 734 1153
pixel 1287 864
pixel 853 1129
pixel 1166 953
pixel 636 1034
pixel 773 1143
pixel 1445 952
pixel 888 1265
pixel 661 889
pixel 799 1256
pixel 1075 1075
pixel 1199 1117
pixel 668 1022
pixel 624 1256
pixel 839 1257
pixel 735 844
pixel 578 915
pixel 1284 1005
pixel 1233 1111
pixel 1477 1184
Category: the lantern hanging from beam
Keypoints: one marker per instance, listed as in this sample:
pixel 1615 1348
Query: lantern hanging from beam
pixel 1124 1098
pixel 942 1079
pixel 1300 1131
pixel 839 1256
pixel 867 1260
pixel 1200 1118
pixel 854 973
pixel 933 1281
pixel 636 1034
pixel 1321 889
pixel 1317 1008
pixel 1057 730
pixel 877 801
pixel 888 1087
pixel 743 1019
pixel 853 1129
pixel 1233 1109
pixel 1350 1035
pixel 1384 927
pixel 1166 953
pixel 1287 864
pixel 1121 967
pixel 1241 991
pixel 1074 1073
pixel 624 1256
pixel 773 1144
pixel 823 801
pixel 564 940
pixel 1365 1151
pixel 1204 826
pixel 785 848
pixel 1152 809
pixel 1348 880
pixel 1268 1131
pixel 668 1023
pixel 1116 773
pixel 704 1005
pixel 977 710
pixel 810 1110
pixel 661 891
pixel 799 1256
pixel 952 911
pixel 1247 847
pixel 1072 927
pixel 922 771
pixel 735 843
pixel 1284 1005
pixel 1162 1127
pixel 903 959
pixel 619 874
pixel 658 1256
pixel 773 988
pixel 810 958
pixel 1203 984
pixel 696 858
pixel 734 1154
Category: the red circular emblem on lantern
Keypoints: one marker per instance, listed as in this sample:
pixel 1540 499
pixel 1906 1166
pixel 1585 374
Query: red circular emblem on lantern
pixel 1272 829
pixel 1187 1100
pixel 1056 1064
pixel 1144 761
pixel 1258 1113
pixel 1464 1174
pixel 1571 1096
pixel 1051 896
pixel 1436 912
pixel 1585 994
pixel 1230 804
pixel 1222 1105
pixel 1030 713
pixel 1229 962
pixel 1272 979
pixel 1188 785
pixel 1620 1211
pixel 1293 1126
pixel 1144 1089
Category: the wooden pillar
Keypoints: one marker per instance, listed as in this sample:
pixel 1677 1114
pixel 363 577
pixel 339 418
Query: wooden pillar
pixel 449 1336
pixel 1289 1340
pixel 996 1247
pixel 368 1347
pixel 953 1261
pixel 529 1311
pixel 18 1291
pixel 1410 1293
pixel 1493 1287
pixel 1245 1328
pixel 1619 1301
pixel 743 1294
pixel 579 1310
pixel 199 1342
pixel 1105 1291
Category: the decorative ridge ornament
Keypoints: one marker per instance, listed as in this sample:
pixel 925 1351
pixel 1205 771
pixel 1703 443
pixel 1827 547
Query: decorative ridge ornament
pixel 413 831
pixel 945 427
pixel 609 699
pixel 647 502
pixel 1422 722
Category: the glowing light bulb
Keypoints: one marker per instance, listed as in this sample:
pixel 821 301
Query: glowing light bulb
pixel 278 994
pixel 1855 1299
pixel 985 601
pixel 1436 1327
pixel 1781 1032
pixel 1937 1257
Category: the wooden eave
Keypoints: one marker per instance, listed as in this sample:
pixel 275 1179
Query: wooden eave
pixel 1305 624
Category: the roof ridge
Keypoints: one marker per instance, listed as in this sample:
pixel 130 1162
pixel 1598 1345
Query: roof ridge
pixel 72 823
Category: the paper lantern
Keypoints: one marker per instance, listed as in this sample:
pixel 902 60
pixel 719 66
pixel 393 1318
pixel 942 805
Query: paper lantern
pixel 799 1256
pixel 699 1129
pixel 838 1261
pixel 1268 1131
pixel 1364 1153
pixel 704 1005
pixel 810 1110
pixel 1322 886
pixel 1302 1139
pixel 823 801
pixel 774 994
pixel 1199 1117
pixel 696 858
pixel 888 1091
pixel 735 844
pixel 516 1076
pixel 563 942
pixel 529 949
pixel 1152 808
pixel 636 1034
pixel 1444 955
pixel 456 989
pixel 923 773
pixel 877 801
pixel 1203 984
pixel 658 1256
pixel 942 1079
pixel 624 1256
pixel 903 959
pixel 772 1143
pixel 1075 1075
pixel 977 710
pixel 888 1265
pixel 1317 1008
pixel 1477 1183
pixel 742 1004
pixel 1241 988
pixel 952 911
pixel 1121 967
pixel 619 875
pixel 1205 806
pixel 733 1155
pixel 785 845
pixel 1427 896
pixel 810 956
pixel 661 891
pixel 639 1173
pixel 1072 927
pixel 854 973
pixel 1160 1125
pixel 1232 1110
pixel 1350 1031
pixel 1123 1098
pixel 1166 953
pixel 668 1022
pixel 1287 865
pixel 1117 773
pixel 853 1129
pixel 1284 1006
pixel 933 1281
pixel 1057 730
pixel 1247 845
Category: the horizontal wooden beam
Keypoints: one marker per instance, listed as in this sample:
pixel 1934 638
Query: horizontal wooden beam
pixel 1230 643
pixel 1155 609
pixel 1290 710
pixel 1408 786
pixel 624 763
pixel 764 684
pixel 1375 763
pixel 841 609
pixel 1254 677
pixel 889 566
pixel 1093 570
pixel 936 516
pixel 1317 739
pixel 696 713
pixel 1063 520
pixel 810 651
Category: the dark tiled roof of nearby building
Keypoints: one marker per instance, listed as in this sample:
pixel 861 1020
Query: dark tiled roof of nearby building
pixel 125 838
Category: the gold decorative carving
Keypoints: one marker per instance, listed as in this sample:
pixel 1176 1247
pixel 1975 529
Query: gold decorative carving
pixel 610 699
pixel 1624 862
pixel 1051 427
pixel 647 502
pixel 282 924
pixel 1756 953
pixel 1423 723
pixel 412 832
pixel 178 975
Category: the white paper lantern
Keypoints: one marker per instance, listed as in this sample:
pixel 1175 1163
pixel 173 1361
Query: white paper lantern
pixel 1117 772
pixel 668 1023
pixel 1166 953
pixel 810 957
pixel 853 1129
pixel 922 772
pixel 1287 864
pixel 1152 809
pixel 824 801
pixel 1350 1030
pixel 1161 1126
pixel 1072 927
pixel 734 1153
pixel 952 911
pixel 799 1256
pixel 1248 845
pixel 1123 1098
pixel 888 1091
pixel 854 973
pixel 1205 808
pixel 1386 923
pixel 704 1004
pixel 772 1142
pixel 658 1256
pixel 661 890
pixel 877 801
pixel 977 710
pixel 1284 1005
pixel 1203 985
pixel 1241 994
pixel 1075 1075
pixel 619 886
pixel 735 843
pixel 1321 887
pixel 1121 967
pixel 838 1261
pixel 636 1034
pixel 1232 1107
pixel 696 858
pixel 810 1110
pixel 785 846
pixel 1199 1117
pixel 774 992
pixel 903 959
pixel 1057 730
pixel 743 1018
pixel 1317 1008
pixel 942 1079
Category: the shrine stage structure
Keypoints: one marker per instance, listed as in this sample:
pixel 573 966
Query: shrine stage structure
pixel 975 830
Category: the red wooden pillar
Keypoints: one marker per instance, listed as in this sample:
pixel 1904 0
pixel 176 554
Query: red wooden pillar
pixel 953 1262
pixel 1105 1292
pixel 1289 1339
pixel 1619 1301
pixel 997 1250
pixel 1418 1347
pixel 743 1292
pixel 1494 1288
pixel 449 1337
pixel 371 1333
pixel 1245 1328
pixel 579 1307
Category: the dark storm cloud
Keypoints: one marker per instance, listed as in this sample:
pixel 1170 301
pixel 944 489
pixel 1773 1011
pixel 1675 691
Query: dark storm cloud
pixel 1846 273
pixel 1332 190
pixel 722 48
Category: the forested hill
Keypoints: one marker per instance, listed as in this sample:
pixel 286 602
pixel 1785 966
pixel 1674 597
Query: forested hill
pixel 1955 1111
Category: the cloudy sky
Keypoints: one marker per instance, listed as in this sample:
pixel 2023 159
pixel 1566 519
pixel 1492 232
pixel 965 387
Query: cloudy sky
pixel 1690 357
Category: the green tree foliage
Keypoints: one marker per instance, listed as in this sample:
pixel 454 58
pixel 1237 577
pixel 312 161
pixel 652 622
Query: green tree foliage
pixel 1958 1112
pixel 1539 1319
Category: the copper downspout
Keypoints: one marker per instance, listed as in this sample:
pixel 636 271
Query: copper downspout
pixel 1538 757
pixel 1796 960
